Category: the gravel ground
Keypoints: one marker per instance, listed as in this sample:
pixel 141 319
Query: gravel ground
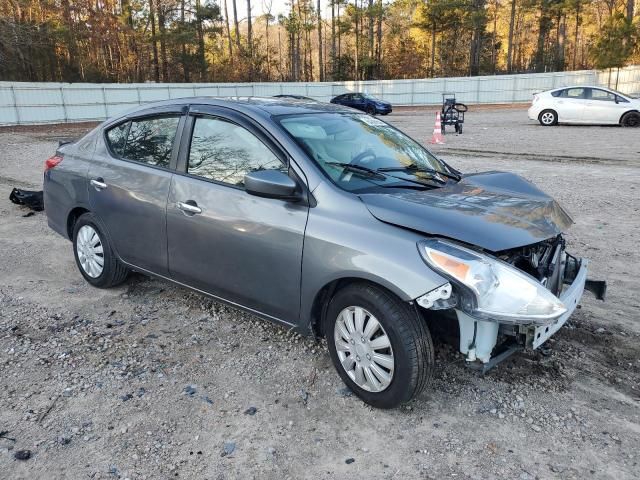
pixel 149 380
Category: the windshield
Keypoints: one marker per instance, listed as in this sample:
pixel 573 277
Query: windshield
pixel 359 152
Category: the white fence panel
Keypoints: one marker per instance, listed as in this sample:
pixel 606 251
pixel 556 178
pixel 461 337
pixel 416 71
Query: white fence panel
pixel 24 103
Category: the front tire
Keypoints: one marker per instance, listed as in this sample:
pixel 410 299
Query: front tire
pixel 371 110
pixel 548 118
pixel 630 119
pixel 380 345
pixel 94 256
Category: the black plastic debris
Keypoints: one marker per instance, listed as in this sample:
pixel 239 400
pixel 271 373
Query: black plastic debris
pixel 349 461
pixel 22 455
pixel 28 198
pixel 250 411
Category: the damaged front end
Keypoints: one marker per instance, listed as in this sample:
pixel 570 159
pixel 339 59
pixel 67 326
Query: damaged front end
pixel 514 300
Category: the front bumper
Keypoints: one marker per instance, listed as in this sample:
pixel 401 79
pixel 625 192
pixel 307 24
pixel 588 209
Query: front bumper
pixel 536 336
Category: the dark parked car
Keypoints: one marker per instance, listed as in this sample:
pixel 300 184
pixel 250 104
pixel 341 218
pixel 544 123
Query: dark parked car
pixel 364 102
pixel 325 220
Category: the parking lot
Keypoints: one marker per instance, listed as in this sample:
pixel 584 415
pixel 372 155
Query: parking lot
pixel 149 380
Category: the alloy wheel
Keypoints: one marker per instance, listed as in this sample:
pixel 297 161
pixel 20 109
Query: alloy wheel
pixel 364 349
pixel 90 251
pixel 548 118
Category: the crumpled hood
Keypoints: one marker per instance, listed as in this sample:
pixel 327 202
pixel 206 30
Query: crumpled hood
pixel 493 210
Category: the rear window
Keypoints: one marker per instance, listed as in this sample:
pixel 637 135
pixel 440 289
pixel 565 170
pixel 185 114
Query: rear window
pixel 148 140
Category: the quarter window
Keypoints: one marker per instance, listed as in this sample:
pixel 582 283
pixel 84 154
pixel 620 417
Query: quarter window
pixel 116 137
pixel 226 152
pixel 150 140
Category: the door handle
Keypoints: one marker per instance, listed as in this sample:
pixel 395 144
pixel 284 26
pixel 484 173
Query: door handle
pixel 189 208
pixel 98 183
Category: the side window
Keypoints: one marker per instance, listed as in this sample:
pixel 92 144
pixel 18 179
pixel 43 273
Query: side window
pixel 226 152
pixel 150 140
pixel 116 138
pixel 603 95
pixel 620 99
pixel 574 93
pixel 557 93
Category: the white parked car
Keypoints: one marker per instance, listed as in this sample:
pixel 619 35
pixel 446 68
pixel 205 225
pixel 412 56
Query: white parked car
pixel 585 105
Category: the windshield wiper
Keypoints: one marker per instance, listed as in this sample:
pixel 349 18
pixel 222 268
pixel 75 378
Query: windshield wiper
pixel 415 168
pixel 358 169
pixel 379 173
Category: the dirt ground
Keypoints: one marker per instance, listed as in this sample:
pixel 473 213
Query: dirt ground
pixel 149 380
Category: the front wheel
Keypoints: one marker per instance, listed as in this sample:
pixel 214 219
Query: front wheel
pixel 630 119
pixel 371 110
pixel 380 345
pixel 548 118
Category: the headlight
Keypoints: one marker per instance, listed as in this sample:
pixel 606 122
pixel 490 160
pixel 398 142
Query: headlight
pixel 497 290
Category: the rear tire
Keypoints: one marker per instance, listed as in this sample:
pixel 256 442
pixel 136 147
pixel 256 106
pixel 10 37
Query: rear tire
pixel 94 256
pixel 406 365
pixel 548 118
pixel 630 119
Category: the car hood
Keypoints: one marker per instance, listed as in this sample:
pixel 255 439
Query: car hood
pixel 493 210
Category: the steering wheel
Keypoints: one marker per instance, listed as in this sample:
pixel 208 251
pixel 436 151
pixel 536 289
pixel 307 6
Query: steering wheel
pixel 358 159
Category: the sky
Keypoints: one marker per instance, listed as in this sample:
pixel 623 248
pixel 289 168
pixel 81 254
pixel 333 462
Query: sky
pixel 257 7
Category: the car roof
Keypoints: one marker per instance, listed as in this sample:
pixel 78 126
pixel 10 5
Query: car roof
pixel 263 106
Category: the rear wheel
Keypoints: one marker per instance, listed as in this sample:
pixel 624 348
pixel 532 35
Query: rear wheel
pixel 548 118
pixel 94 256
pixel 630 119
pixel 380 345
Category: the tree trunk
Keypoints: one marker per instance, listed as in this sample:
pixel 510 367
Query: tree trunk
pixel 356 20
pixel 236 25
pixel 249 35
pixel 379 43
pixel 477 37
pixel 544 25
pixel 630 9
pixel 333 37
pixel 183 47
pixel 228 29
pixel 510 41
pixel 370 52
pixel 575 36
pixel 433 50
pixel 320 62
pixel 560 43
pixel 154 43
pixel 163 44
pixel 200 38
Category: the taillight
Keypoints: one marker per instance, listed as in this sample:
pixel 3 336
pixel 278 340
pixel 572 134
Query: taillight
pixel 52 162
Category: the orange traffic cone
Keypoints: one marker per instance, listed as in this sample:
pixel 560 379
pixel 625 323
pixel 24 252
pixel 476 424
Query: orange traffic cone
pixel 437 136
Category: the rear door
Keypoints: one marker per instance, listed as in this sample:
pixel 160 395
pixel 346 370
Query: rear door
pixel 570 104
pixel 239 247
pixel 129 184
pixel 601 107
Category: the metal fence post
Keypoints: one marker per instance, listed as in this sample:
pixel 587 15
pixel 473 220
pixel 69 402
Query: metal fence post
pixel 104 104
pixel 15 104
pixel 64 106
pixel 138 94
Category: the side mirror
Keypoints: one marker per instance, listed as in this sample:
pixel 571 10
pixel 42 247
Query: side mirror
pixel 270 184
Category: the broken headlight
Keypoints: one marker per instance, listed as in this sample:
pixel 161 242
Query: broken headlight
pixel 492 289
